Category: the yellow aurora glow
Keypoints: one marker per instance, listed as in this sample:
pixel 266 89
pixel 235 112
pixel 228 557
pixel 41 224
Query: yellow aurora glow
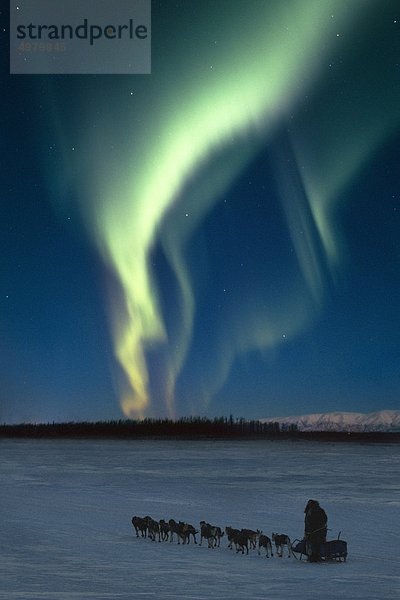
pixel 225 96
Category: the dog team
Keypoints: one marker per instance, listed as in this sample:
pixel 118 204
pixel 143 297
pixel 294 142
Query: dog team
pixel 241 539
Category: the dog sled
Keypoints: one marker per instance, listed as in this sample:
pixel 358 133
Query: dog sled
pixel 335 550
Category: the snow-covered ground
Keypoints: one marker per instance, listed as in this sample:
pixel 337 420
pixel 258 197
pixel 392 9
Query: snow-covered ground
pixel 66 509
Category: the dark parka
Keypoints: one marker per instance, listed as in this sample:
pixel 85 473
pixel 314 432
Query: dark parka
pixel 315 529
pixel 315 526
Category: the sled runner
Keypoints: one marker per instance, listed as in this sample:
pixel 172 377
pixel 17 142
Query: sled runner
pixel 332 550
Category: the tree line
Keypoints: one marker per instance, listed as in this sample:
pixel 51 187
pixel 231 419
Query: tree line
pixel 187 428
pixel 219 427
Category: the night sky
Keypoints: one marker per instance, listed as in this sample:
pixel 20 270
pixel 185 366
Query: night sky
pixel 219 237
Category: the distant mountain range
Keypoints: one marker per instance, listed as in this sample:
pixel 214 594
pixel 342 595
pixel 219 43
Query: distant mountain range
pixel 384 420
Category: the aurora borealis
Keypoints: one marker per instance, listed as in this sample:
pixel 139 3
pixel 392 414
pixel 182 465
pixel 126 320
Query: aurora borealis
pixel 232 218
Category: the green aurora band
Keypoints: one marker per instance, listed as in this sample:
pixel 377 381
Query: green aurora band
pixel 217 105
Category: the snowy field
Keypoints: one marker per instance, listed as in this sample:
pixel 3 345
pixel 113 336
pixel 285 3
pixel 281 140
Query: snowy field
pixel 66 509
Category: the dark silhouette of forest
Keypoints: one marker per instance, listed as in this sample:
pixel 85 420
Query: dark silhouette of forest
pixel 128 428
pixel 185 428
